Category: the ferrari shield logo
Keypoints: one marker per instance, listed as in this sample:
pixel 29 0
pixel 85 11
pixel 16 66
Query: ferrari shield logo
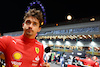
pixel 37 50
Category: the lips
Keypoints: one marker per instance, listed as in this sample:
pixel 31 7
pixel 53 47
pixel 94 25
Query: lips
pixel 29 30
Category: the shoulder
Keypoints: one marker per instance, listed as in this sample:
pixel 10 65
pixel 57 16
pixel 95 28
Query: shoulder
pixel 9 37
pixel 16 37
pixel 38 43
pixel 6 38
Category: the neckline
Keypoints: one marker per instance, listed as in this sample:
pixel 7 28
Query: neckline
pixel 26 39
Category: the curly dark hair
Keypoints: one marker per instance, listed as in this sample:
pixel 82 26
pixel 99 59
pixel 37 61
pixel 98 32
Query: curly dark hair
pixel 35 13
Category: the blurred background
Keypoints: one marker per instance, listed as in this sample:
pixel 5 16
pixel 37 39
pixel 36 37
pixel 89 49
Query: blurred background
pixel 12 12
pixel 69 26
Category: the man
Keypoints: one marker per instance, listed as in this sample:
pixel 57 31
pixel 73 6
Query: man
pixel 89 62
pixel 96 61
pixel 95 58
pixel 25 50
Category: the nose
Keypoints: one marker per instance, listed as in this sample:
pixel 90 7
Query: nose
pixel 30 26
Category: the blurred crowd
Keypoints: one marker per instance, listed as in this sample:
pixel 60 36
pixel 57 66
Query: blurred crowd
pixel 52 57
pixel 66 60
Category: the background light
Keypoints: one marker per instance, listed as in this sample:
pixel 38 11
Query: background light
pixel 56 24
pixel 79 43
pixel 42 23
pixel 92 19
pixel 50 42
pixel 69 17
pixel 44 44
pixel 67 43
pixel 93 44
pixel 58 43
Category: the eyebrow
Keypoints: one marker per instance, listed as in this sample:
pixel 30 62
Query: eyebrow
pixel 35 22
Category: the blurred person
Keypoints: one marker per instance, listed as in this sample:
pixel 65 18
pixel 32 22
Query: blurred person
pixel 50 55
pixel 89 62
pixel 94 58
pixel 25 50
pixel 62 59
pixel 54 57
pixel 58 58
pixel 47 56
pixel 64 55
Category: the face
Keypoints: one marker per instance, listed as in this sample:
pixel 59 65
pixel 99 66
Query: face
pixel 94 58
pixel 31 26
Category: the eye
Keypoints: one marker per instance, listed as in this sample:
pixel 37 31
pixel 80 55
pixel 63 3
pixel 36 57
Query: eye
pixel 34 23
pixel 28 22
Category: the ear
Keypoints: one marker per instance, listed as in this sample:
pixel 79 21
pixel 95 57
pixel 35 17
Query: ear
pixel 39 29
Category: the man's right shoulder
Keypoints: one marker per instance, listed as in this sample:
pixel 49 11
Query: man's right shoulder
pixel 5 37
pixel 8 38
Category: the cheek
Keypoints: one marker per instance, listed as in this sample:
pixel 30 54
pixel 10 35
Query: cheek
pixel 39 29
pixel 25 27
pixel 35 29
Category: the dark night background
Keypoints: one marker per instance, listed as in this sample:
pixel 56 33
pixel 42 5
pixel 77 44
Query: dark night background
pixel 12 11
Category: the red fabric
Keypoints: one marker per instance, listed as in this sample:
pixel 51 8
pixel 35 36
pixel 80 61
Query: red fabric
pixel 96 64
pixel 21 51
pixel 77 58
pixel 72 65
pixel 88 62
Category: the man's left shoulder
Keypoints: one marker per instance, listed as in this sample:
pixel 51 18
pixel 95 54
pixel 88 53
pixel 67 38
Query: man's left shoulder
pixel 38 43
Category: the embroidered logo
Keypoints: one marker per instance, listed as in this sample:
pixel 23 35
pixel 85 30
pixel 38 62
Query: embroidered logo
pixel 17 55
pixel 16 64
pixel 37 58
pixel 14 41
pixel 37 50
pixel 89 65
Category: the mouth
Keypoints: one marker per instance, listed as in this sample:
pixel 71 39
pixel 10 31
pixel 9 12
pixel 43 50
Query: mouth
pixel 29 30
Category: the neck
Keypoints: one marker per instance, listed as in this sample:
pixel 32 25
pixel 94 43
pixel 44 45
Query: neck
pixel 29 36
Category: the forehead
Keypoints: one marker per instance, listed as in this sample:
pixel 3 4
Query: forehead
pixel 32 19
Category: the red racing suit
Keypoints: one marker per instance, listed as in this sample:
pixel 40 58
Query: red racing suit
pixel 21 51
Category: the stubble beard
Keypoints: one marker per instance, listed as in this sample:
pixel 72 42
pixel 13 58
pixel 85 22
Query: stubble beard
pixel 30 33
